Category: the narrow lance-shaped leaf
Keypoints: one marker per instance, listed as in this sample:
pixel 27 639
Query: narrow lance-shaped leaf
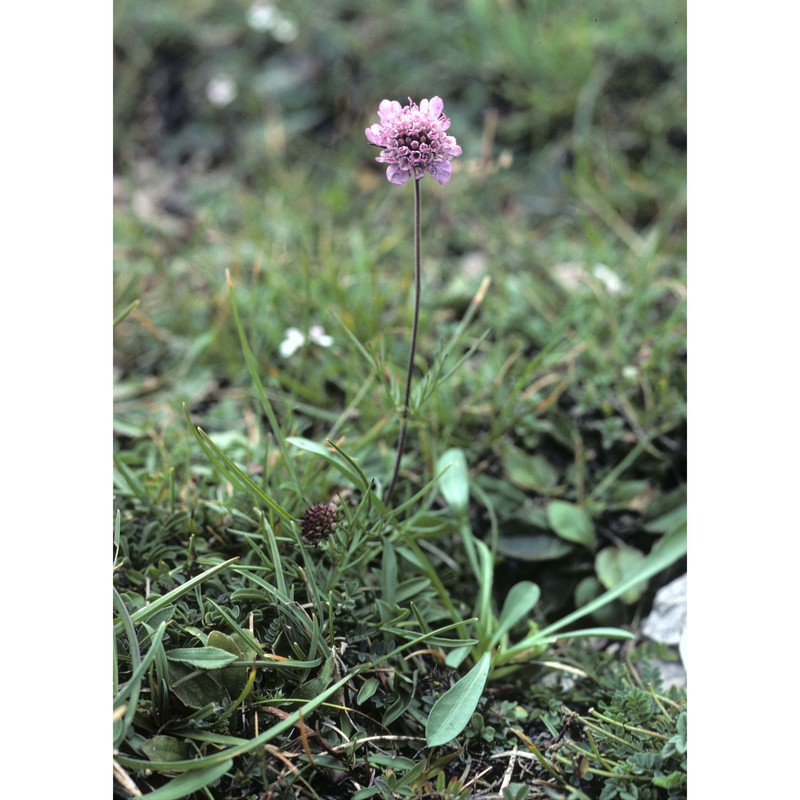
pixel 334 459
pixel 202 657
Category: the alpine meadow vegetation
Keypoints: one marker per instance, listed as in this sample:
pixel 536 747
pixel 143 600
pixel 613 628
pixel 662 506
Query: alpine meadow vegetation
pixel 394 490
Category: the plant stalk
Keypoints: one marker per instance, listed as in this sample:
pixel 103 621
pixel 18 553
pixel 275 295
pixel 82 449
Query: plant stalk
pixel 412 351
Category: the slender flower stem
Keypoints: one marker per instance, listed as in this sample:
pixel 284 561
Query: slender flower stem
pixel 412 351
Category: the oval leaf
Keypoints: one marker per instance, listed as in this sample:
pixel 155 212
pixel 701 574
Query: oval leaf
pixel 165 748
pixel 534 473
pixel 202 657
pixel 533 546
pixel 519 602
pixel 453 710
pixel 615 565
pixel 571 522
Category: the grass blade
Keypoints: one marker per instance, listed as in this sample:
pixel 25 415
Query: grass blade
pixel 189 782
pixel 265 403
pixel 231 471
pixel 333 459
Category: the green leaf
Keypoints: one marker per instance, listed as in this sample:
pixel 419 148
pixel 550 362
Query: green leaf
pixel 228 467
pixel 125 311
pixel 234 678
pixel 453 710
pixel 456 657
pixel 534 473
pixel 190 782
pixel 677 743
pixel 603 633
pixel 334 459
pixel 196 688
pixel 365 482
pixel 151 609
pixel 368 688
pixel 484 576
pixel 389 573
pixel 665 553
pixel 313 687
pixel 141 667
pixel 454 479
pixel 390 762
pixel 674 780
pixel 404 697
pixel 165 748
pixel 664 505
pixel 202 657
pixel 519 603
pixel 628 494
pixel 682 728
pixel 304 712
pixel 571 522
pixel 586 590
pixel 667 521
pixel 532 546
pixel 614 565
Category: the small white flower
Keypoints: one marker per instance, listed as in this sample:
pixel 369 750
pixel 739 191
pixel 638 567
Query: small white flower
pixel 318 336
pixel 608 278
pixel 293 340
pixel 221 90
pixel 263 16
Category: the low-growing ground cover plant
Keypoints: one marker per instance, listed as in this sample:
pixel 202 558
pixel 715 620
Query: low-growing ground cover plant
pixel 354 562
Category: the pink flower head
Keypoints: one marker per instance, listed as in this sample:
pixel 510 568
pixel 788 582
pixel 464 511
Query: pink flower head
pixel 413 139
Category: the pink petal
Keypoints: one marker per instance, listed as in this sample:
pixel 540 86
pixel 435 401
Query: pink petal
pixel 396 175
pixel 387 109
pixel 436 105
pixel 374 134
pixel 441 171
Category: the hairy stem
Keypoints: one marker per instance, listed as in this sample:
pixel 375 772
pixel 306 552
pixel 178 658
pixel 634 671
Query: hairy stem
pixel 414 327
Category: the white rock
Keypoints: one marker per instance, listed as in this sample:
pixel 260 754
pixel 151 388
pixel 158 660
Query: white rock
pixel 667 621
